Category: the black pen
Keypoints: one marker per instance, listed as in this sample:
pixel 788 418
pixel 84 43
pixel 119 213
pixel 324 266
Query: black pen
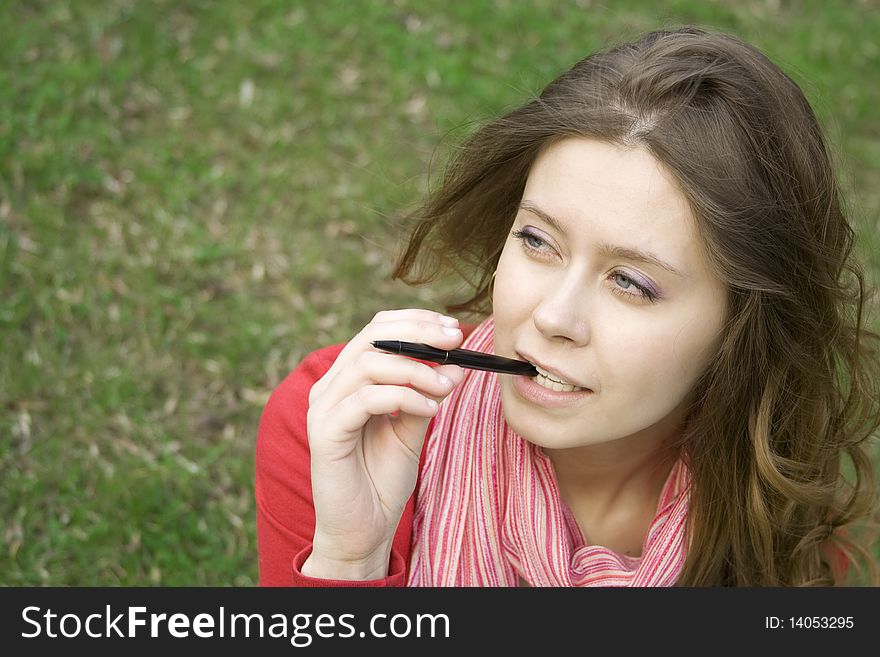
pixel 475 360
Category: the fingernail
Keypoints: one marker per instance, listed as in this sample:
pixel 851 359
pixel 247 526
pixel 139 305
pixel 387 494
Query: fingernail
pixel 444 380
pixel 449 321
pixel 431 403
pixel 448 330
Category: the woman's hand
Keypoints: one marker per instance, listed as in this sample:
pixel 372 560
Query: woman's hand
pixel 364 460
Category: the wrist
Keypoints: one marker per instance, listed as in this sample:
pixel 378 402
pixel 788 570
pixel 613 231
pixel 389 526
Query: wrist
pixel 327 566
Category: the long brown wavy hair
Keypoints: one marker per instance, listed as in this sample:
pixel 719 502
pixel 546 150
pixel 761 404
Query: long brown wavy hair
pixel 780 436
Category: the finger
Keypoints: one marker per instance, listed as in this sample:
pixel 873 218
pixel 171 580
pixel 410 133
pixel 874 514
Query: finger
pixel 408 426
pixel 454 372
pixel 360 341
pixel 413 313
pixel 357 409
pixel 373 367
pixel 417 326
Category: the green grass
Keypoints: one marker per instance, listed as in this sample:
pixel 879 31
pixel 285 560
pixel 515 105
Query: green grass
pixel 194 195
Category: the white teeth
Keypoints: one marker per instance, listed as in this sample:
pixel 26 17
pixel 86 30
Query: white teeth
pixel 549 376
pixel 553 384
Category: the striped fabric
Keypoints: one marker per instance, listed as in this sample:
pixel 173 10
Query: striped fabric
pixel 489 509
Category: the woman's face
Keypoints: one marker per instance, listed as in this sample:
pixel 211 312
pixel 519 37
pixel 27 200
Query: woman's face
pixel 576 294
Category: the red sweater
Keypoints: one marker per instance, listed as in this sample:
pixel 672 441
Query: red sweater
pixel 283 487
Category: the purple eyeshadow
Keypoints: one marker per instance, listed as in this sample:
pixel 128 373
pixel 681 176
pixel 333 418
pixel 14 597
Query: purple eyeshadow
pixel 645 284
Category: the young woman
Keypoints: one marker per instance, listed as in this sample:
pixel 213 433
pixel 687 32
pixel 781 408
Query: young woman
pixel 661 234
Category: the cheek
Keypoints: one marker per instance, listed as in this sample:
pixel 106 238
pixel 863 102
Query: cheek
pixel 697 343
pixel 669 359
pixel 629 354
pixel 646 357
pixel 515 290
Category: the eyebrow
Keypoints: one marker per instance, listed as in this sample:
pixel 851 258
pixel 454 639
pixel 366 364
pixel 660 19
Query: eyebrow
pixel 611 250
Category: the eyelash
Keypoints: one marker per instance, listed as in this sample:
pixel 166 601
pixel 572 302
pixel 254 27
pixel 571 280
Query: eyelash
pixel 644 293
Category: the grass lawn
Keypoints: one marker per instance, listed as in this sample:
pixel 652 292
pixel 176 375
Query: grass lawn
pixel 194 195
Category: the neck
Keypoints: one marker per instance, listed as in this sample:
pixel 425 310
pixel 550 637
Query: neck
pixel 613 488
pixel 598 480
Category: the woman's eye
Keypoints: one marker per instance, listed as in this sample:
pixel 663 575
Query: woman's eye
pixel 529 240
pixel 627 281
pixel 628 284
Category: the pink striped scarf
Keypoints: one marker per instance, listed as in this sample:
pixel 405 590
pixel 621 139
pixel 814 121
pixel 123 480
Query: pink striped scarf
pixel 489 508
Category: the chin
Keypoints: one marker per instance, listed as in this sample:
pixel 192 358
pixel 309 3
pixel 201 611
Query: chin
pixel 541 432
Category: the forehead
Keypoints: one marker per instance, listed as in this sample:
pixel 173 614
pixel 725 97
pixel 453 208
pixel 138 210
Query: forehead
pixel 621 195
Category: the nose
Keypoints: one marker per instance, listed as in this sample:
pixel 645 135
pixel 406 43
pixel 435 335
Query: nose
pixel 562 314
